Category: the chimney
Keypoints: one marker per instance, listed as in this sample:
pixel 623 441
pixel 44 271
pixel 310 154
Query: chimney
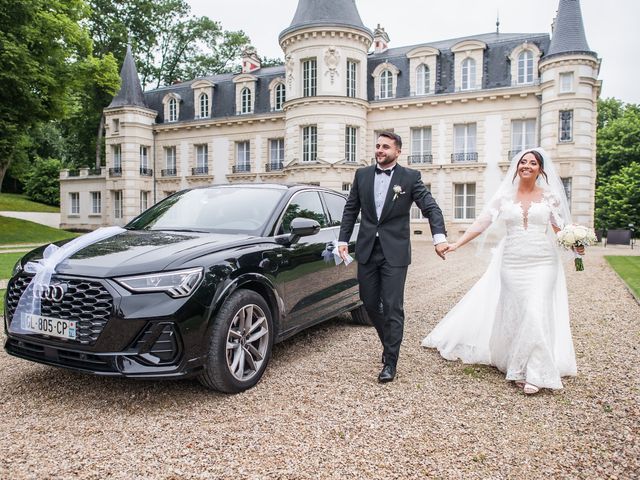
pixel 250 59
pixel 380 40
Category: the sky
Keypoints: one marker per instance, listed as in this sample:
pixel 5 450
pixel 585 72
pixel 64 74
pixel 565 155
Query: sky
pixel 611 27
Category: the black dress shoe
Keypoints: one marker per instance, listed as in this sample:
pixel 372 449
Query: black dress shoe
pixel 387 374
pixel 383 359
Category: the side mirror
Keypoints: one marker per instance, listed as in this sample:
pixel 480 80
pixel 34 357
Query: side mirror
pixel 300 227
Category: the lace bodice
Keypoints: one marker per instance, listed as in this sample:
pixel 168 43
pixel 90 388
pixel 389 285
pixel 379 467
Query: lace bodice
pixel 535 219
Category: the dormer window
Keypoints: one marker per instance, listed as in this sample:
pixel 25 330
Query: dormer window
pixel 525 67
pixel 173 110
pixel 204 105
pixel 386 84
pixel 468 74
pixel 385 78
pixel 524 64
pixel 246 101
pixel 171 103
pixel 423 76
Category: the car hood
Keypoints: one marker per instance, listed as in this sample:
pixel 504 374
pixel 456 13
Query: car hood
pixel 134 252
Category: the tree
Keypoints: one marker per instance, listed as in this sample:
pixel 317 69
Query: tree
pixel 43 54
pixel 43 185
pixel 618 199
pixel 618 138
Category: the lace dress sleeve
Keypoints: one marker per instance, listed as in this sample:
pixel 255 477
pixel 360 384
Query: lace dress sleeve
pixel 556 215
pixel 488 215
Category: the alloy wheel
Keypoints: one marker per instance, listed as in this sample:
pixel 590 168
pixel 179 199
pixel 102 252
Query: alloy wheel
pixel 247 342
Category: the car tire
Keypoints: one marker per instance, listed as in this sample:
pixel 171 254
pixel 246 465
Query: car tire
pixel 359 316
pixel 240 343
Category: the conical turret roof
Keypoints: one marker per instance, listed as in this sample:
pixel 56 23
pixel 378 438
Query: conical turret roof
pixel 321 13
pixel 568 33
pixel 130 93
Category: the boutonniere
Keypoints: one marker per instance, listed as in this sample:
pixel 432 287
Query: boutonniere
pixel 397 190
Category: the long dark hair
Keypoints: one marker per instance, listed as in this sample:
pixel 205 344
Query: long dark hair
pixel 540 160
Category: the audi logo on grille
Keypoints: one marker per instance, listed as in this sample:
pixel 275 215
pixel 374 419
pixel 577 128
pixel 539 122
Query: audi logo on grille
pixel 53 292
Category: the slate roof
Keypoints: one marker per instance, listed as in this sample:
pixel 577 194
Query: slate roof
pixel 130 93
pixel 316 13
pixel 568 32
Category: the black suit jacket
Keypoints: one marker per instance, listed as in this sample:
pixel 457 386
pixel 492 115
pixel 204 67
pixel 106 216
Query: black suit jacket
pixel 393 228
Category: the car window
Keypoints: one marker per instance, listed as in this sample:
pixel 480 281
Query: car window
pixel 335 206
pixel 304 205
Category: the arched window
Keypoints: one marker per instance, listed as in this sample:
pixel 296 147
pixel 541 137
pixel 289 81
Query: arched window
pixel 173 110
pixel 525 67
pixel 386 84
pixel 423 79
pixel 280 96
pixel 245 95
pixel 204 105
pixel 468 74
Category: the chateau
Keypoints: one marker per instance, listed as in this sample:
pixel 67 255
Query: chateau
pixel 463 107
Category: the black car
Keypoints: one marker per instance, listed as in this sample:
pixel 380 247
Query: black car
pixel 201 284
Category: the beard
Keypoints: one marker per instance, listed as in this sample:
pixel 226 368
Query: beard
pixel 386 160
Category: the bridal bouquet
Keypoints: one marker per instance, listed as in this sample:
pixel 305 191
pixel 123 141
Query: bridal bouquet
pixel 572 236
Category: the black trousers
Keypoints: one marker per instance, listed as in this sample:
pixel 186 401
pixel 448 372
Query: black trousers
pixel 382 292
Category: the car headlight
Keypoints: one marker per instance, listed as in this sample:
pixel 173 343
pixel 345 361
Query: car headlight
pixel 180 283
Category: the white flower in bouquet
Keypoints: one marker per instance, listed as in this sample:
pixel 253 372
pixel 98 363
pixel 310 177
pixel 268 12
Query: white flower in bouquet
pixel 572 236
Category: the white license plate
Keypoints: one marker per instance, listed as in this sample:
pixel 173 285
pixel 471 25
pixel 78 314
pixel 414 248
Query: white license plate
pixel 55 327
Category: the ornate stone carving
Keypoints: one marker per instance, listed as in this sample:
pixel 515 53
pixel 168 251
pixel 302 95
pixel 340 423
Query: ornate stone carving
pixel 289 65
pixel 332 60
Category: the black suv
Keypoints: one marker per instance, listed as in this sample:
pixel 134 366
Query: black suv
pixel 201 284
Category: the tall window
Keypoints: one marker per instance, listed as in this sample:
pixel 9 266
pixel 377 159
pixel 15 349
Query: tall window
pixel 350 142
pixel 465 201
pixel 173 110
pixel 421 145
pixel 310 143
pixel 468 74
pixel 351 78
pixel 144 200
pixel 144 156
pixel 566 82
pixel 204 105
pixel 243 156
pixel 309 77
pixel 386 84
pixel 245 96
pixel 117 157
pixel 464 147
pixel 96 203
pixel 276 153
pixel 566 126
pixel 170 158
pixel 117 203
pixel 566 183
pixel 423 78
pixel 280 96
pixel 202 158
pixel 525 67
pixel 523 135
pixel 74 203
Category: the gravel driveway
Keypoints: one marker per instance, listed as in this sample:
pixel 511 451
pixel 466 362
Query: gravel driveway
pixel 320 413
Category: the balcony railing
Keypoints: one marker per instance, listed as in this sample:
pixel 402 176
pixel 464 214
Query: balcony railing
pixel 95 171
pixel 168 172
pixel 74 173
pixel 241 168
pixel 464 157
pixel 420 159
pixel 274 166
pixel 147 172
pixel 115 172
pixel 200 171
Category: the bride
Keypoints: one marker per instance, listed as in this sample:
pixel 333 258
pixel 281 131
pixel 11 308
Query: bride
pixel 516 317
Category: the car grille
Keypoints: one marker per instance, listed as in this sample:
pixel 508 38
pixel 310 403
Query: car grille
pixel 88 303
pixel 55 356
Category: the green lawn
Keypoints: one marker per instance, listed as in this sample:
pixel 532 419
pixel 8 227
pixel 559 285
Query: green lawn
pixel 12 202
pixel 629 269
pixel 13 230
pixel 7 261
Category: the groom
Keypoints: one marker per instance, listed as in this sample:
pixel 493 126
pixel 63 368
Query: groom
pixel 384 194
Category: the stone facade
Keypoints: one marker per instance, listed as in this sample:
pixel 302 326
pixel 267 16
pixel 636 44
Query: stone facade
pixel 463 107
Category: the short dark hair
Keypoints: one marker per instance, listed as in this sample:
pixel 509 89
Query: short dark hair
pixel 393 136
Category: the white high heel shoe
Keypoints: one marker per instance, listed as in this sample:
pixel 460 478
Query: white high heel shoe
pixel 530 389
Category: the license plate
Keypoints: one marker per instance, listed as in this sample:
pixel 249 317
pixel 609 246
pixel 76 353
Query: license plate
pixel 55 327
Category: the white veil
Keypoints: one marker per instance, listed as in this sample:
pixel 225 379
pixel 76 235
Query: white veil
pixel 488 221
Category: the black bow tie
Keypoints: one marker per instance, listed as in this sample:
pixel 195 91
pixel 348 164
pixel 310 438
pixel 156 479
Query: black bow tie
pixel 386 172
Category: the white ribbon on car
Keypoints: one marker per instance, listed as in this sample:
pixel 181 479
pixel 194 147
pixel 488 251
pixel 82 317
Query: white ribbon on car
pixel 332 251
pixel 29 303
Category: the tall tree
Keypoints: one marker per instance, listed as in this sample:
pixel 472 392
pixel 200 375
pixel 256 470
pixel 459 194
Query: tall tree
pixel 618 138
pixel 44 52
pixel 618 199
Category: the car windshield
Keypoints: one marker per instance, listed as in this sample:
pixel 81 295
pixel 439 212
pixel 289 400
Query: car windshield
pixel 219 210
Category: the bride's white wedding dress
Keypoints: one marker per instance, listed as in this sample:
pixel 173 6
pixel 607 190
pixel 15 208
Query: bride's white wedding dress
pixel 516 317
